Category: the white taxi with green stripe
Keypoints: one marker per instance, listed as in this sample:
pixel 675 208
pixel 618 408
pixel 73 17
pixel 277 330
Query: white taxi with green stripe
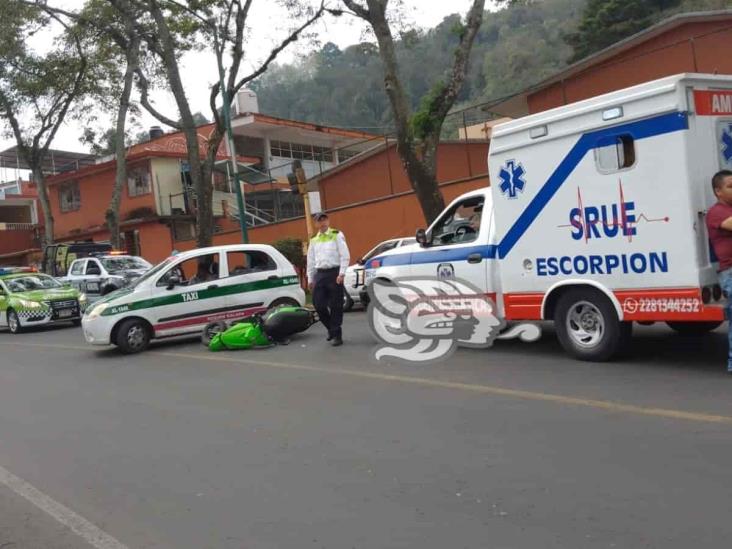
pixel 187 291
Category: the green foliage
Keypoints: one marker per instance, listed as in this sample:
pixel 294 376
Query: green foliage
pixel 426 119
pixel 291 248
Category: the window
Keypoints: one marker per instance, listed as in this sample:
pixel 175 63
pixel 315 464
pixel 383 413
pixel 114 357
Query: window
pixel 460 224
pixel 380 249
pixel 92 267
pixel 77 268
pixel 614 153
pixel 196 270
pixel 242 263
pixel 138 182
pixel 69 197
pixel 280 148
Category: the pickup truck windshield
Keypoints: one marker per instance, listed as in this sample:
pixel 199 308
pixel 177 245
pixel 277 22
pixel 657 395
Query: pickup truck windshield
pixel 29 283
pixel 119 264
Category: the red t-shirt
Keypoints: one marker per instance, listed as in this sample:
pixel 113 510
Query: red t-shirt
pixel 721 239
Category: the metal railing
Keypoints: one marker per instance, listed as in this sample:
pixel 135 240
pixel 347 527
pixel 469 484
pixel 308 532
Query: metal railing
pixel 16 226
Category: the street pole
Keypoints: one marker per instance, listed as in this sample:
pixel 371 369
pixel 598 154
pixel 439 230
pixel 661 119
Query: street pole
pixel 303 188
pixel 230 142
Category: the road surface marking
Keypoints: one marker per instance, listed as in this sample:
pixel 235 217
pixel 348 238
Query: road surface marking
pixel 469 387
pixel 93 535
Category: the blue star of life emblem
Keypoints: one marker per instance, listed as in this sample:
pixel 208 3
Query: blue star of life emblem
pixel 512 179
pixel 727 144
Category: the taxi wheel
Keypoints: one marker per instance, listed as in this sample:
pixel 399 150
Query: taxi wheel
pixel 14 322
pixel 588 327
pixel 283 301
pixel 133 336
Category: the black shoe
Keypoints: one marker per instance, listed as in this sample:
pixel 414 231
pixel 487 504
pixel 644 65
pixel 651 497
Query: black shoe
pixel 329 337
pixel 337 342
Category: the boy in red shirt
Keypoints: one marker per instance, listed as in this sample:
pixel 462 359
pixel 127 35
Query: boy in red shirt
pixel 719 225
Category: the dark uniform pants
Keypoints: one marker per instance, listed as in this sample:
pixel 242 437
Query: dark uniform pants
pixel 328 300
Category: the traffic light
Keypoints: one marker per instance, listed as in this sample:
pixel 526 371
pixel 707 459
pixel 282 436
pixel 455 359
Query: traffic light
pixel 297 178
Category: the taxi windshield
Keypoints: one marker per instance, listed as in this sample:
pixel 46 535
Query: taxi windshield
pixel 29 283
pixel 152 272
pixel 125 263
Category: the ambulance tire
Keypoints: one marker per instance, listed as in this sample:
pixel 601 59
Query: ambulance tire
pixel 14 322
pixel 132 336
pixel 694 328
pixel 347 302
pixel 588 327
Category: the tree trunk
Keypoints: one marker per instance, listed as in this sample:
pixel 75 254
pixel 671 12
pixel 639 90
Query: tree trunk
pixel 40 181
pixel 120 151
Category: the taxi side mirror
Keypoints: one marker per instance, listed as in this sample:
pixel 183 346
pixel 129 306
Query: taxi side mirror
pixel 173 281
pixel 421 237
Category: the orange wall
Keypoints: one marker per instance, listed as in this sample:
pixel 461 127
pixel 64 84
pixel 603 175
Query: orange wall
pixel 364 225
pixel 15 241
pixel 670 53
pixel 96 192
pixel 383 175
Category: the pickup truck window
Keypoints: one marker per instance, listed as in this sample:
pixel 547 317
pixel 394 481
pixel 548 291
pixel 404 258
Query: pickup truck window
pixel 77 268
pixel 92 267
pixel 460 224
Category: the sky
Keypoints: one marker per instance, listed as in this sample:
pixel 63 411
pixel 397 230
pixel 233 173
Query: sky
pixel 199 71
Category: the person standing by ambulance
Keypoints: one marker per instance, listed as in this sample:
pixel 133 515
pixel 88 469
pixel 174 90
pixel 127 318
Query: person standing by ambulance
pixel 328 258
pixel 719 225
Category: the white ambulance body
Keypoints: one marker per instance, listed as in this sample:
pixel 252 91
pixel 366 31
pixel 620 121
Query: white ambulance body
pixel 594 217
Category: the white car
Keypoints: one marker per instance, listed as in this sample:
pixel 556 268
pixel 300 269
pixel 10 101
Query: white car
pixel 354 279
pixel 187 291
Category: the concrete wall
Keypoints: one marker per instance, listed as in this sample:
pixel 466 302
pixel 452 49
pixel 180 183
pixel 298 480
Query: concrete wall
pixel 694 47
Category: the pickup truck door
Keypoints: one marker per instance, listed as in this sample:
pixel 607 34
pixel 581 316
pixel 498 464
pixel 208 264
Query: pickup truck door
pixel 93 276
pixel 458 244
pixel 75 275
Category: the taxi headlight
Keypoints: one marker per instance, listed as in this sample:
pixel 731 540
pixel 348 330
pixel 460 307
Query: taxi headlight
pixel 97 310
pixel 30 304
pixel 82 298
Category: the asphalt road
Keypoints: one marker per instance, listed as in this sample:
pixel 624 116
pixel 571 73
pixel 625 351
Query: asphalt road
pixel 308 446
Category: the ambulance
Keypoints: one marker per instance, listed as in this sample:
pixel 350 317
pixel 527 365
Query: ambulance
pixel 595 216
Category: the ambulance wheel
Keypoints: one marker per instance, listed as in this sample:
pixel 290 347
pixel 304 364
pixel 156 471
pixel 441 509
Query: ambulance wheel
pixel 588 327
pixel 283 302
pixel 347 302
pixel 14 322
pixel 211 329
pixel 133 336
pixel 694 328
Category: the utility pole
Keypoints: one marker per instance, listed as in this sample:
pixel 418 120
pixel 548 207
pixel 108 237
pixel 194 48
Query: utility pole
pixel 230 139
pixel 299 183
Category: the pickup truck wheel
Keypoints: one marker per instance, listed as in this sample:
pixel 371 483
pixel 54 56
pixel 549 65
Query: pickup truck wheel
pixel 14 322
pixel 133 336
pixel 694 328
pixel 588 326
pixel 347 302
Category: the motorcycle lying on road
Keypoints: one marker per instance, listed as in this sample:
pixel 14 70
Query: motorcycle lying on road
pixel 274 327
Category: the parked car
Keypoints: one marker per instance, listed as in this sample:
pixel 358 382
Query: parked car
pixel 354 279
pixel 185 292
pixel 105 273
pixel 29 298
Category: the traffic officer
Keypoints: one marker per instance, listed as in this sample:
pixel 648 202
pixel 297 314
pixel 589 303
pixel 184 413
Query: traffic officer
pixel 328 259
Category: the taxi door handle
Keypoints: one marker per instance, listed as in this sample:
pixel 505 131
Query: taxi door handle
pixel 475 258
pixel 273 277
pixel 212 287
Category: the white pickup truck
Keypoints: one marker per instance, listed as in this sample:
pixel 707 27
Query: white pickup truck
pixel 595 217
pixel 103 273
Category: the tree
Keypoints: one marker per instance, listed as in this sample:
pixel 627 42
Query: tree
pixel 418 132
pixel 222 23
pixel 37 90
pixel 605 22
